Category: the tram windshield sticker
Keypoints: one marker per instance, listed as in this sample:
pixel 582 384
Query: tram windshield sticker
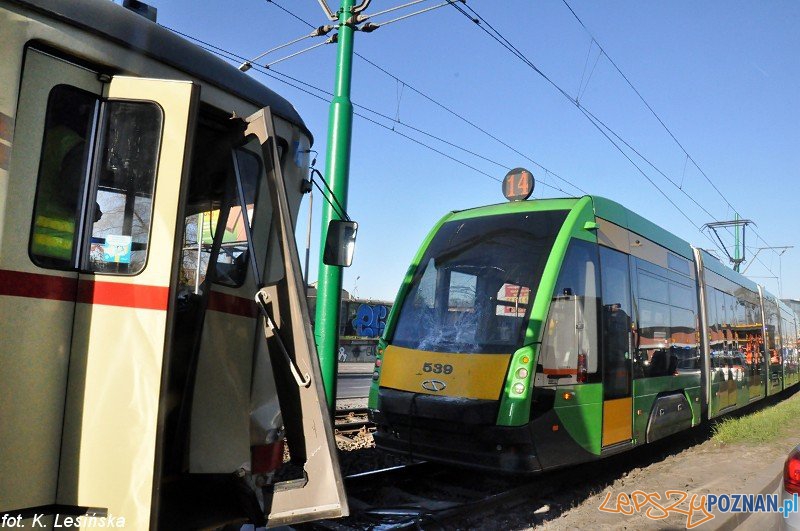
pixel 512 300
pixel 117 249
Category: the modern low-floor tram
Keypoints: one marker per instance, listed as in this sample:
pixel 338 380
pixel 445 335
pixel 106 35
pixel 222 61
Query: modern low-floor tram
pixel 535 334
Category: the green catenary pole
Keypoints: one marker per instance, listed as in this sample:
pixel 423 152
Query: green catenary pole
pixel 329 286
pixel 736 254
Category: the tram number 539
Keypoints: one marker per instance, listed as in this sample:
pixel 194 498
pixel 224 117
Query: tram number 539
pixel 437 368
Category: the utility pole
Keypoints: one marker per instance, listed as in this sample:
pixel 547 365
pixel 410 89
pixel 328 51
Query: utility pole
pixel 739 247
pixel 337 164
pixel 737 257
pixel 337 161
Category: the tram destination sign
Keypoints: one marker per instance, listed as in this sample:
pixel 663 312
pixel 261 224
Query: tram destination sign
pixel 518 184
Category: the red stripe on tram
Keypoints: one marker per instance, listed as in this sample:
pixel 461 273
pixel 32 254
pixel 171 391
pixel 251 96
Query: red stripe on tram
pixel 126 295
pixel 51 287
pixel 36 286
pixel 222 302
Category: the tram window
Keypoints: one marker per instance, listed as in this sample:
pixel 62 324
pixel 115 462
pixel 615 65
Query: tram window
pixel 730 309
pixel 125 185
pixel 681 296
pixel 678 263
pixel 653 288
pixel 69 122
pixel 232 260
pixel 616 322
pixel 683 339
pixel 572 323
pixel 653 356
pixel 715 337
pixel 213 177
pixel 723 314
pixel 462 292
pixel 741 314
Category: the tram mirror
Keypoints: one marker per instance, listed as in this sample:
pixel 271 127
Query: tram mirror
pixel 340 243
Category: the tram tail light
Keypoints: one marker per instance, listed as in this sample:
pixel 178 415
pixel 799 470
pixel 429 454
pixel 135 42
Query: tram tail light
pixel 791 472
pixel 266 457
pixel 583 371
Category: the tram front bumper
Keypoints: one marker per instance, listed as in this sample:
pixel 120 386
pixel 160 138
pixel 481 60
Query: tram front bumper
pixel 459 432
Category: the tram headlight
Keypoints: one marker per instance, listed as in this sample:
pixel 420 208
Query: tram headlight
pixel 519 388
pixel 522 373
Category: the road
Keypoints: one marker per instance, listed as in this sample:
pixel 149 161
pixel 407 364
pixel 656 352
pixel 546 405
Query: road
pixel 353 385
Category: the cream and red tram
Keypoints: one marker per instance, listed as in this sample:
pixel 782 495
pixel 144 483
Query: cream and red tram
pixel 155 346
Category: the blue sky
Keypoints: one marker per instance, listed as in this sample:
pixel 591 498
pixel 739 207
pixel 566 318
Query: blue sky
pixel 723 75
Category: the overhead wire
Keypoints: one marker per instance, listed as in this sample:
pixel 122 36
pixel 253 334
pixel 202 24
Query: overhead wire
pixel 497 36
pixel 657 117
pixel 233 58
pixel 446 108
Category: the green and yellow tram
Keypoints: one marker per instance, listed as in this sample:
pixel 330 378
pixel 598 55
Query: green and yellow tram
pixel 536 334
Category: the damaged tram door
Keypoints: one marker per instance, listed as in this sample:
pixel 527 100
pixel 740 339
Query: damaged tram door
pixel 243 367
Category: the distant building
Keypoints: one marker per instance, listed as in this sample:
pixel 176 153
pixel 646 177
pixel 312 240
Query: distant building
pixel 361 323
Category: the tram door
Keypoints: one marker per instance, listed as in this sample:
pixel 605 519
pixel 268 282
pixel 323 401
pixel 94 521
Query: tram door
pixel 616 326
pixel 56 112
pixel 126 263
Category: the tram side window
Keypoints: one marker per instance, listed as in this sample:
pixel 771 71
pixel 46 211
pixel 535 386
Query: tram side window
pixel 570 346
pixel 213 178
pixel 93 211
pixel 667 342
pixel 773 337
pixel 63 171
pixel 715 339
pixel 616 322
pixel 125 185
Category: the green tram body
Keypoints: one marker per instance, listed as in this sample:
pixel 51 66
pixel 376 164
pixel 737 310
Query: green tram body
pixel 537 334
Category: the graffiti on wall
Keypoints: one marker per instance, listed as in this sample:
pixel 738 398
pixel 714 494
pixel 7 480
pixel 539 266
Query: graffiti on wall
pixel 370 320
pixel 362 323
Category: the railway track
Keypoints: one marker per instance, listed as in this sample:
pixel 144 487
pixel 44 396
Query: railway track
pixel 427 495
pixel 431 496
pixel 353 430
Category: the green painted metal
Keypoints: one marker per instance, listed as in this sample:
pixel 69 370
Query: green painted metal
pixel 736 253
pixel 329 286
pixel 582 414
pixel 540 205
pixel 517 404
pixel 372 401
pixel 645 391
pixel 619 215
pixel 513 411
pixel 713 264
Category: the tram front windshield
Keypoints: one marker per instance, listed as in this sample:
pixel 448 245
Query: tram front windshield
pixel 473 288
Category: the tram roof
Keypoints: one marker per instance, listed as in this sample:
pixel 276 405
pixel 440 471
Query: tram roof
pixel 622 216
pixel 134 31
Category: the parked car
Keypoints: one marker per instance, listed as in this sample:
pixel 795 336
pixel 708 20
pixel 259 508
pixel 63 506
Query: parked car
pixel 791 489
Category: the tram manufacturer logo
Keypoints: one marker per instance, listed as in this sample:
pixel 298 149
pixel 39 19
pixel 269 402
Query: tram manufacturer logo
pixel 434 386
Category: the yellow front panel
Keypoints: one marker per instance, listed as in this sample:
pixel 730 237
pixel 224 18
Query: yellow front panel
pixel 617 420
pixel 463 375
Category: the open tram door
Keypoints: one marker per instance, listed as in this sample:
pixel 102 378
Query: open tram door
pixel 251 324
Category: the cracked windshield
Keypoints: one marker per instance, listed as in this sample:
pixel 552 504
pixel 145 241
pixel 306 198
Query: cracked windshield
pixel 472 290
